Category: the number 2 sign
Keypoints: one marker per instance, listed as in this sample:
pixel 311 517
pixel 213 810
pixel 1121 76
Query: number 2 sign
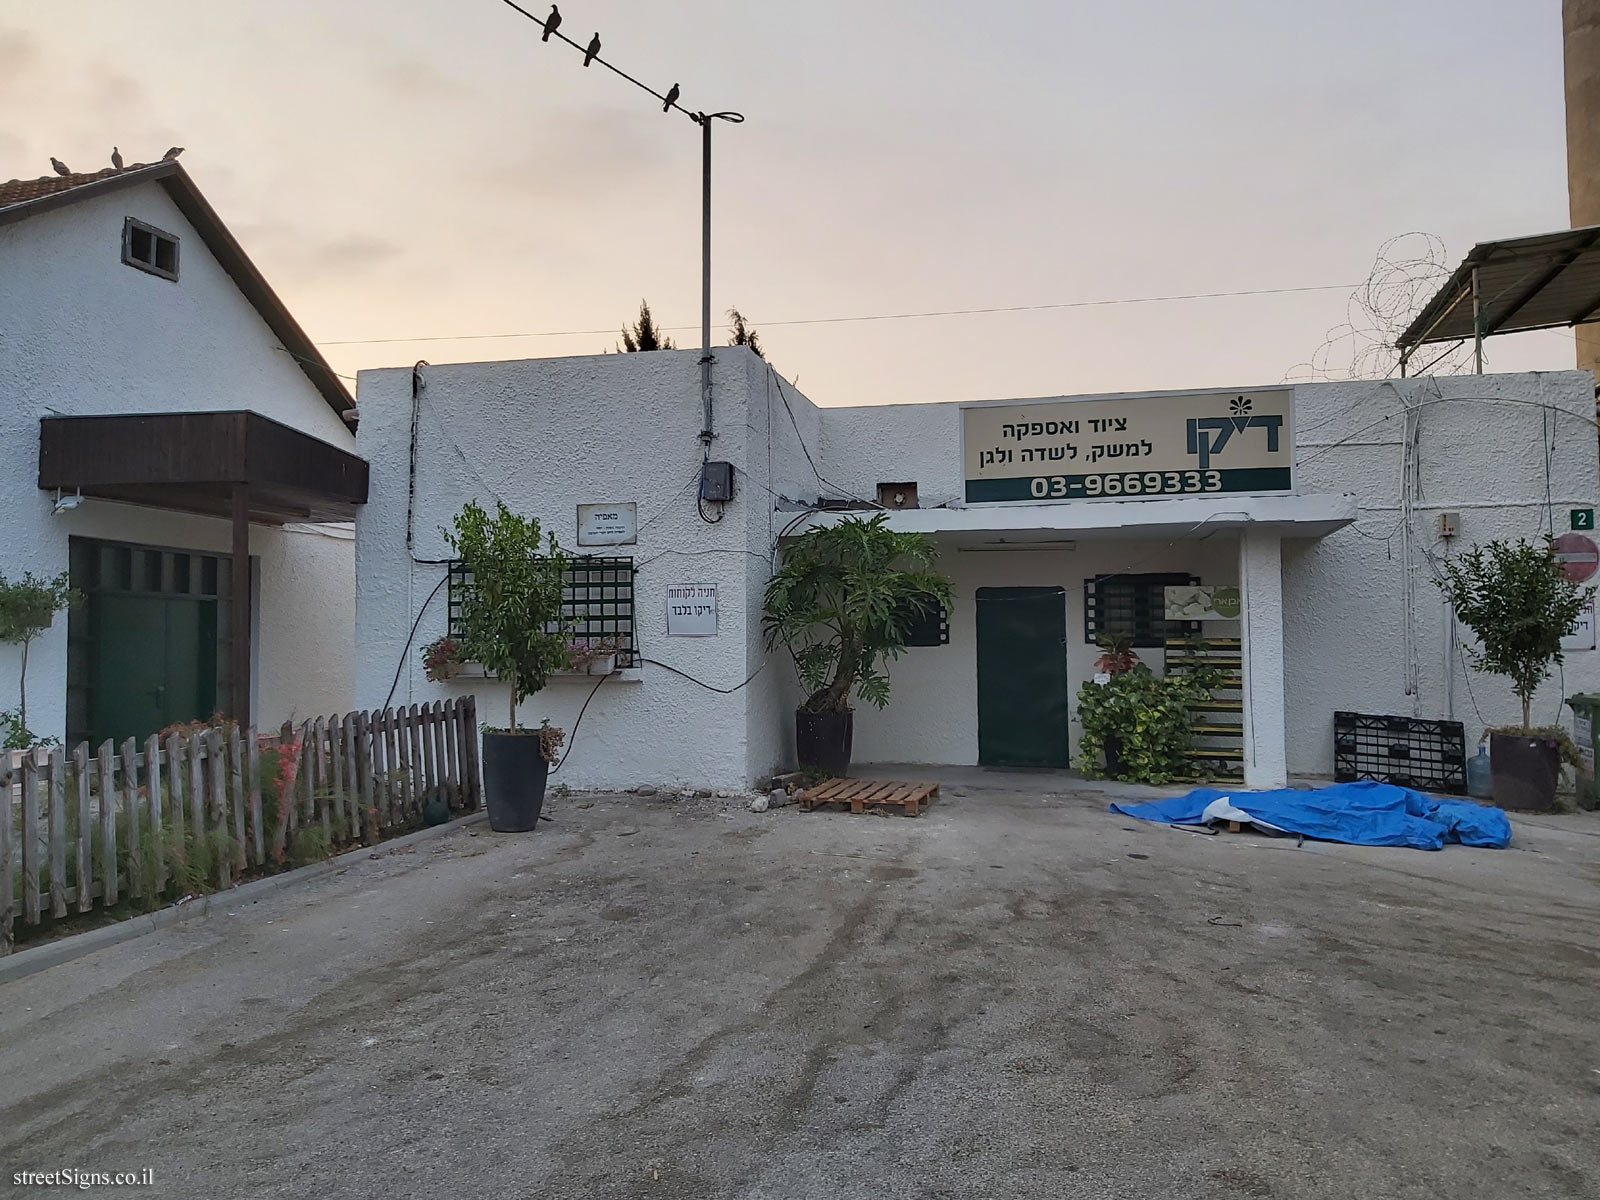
pixel 692 610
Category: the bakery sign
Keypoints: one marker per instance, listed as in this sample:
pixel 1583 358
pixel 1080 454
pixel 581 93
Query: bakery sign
pixel 1130 447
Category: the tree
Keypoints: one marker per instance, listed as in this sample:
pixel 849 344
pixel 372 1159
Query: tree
pixel 645 334
pixel 511 617
pixel 743 335
pixel 1516 599
pixel 27 608
pixel 848 594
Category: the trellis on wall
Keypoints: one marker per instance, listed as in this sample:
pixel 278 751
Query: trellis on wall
pixel 597 601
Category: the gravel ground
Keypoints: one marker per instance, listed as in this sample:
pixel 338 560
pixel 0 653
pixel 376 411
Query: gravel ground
pixel 1016 995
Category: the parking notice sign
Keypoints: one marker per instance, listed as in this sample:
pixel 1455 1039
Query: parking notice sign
pixel 692 610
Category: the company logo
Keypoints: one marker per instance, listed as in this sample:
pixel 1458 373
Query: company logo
pixel 1210 435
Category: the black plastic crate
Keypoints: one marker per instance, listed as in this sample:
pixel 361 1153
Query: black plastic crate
pixel 1427 755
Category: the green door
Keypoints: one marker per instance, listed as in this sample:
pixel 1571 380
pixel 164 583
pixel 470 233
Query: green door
pixel 1022 677
pixel 154 662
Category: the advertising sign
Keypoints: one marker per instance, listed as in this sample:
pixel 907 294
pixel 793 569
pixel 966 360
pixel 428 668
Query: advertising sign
pixel 1129 448
pixel 1193 603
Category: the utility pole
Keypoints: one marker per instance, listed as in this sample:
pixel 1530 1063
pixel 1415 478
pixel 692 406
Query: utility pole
pixel 708 426
pixel 591 54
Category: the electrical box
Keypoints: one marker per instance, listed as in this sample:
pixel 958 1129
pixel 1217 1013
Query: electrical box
pixel 716 481
pixel 1449 524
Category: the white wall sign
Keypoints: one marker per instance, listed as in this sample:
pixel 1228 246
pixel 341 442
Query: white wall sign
pixel 1582 635
pixel 692 610
pixel 608 524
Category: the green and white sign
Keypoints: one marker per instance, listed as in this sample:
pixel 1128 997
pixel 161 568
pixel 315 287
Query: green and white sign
pixel 1189 603
pixel 1129 447
pixel 1583 519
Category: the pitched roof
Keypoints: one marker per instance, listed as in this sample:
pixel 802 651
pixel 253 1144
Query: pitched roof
pixel 22 198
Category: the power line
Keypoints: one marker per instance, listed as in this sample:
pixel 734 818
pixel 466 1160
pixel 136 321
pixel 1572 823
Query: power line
pixel 591 54
pixel 905 316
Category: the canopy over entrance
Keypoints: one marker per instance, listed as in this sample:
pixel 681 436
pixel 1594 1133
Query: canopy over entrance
pixel 238 465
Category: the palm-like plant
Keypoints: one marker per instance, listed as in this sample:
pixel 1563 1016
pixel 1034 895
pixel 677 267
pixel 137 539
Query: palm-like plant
pixel 843 603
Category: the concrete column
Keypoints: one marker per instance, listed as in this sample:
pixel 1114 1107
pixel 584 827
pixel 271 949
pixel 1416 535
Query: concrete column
pixel 1580 24
pixel 1261 631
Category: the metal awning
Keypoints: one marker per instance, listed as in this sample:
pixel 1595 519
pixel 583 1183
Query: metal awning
pixel 194 461
pixel 1549 281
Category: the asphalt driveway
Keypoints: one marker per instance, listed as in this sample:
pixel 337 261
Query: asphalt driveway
pixel 1016 995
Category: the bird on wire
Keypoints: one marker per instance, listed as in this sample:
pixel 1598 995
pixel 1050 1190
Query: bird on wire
pixel 61 168
pixel 551 23
pixel 116 158
pixel 672 98
pixel 591 50
pixel 172 154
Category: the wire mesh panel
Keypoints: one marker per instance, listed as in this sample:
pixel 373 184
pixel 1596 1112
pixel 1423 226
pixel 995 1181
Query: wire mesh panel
pixel 596 600
pixel 1409 751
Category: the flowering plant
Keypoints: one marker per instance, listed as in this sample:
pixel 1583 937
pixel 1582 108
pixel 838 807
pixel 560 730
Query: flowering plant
pixel 441 659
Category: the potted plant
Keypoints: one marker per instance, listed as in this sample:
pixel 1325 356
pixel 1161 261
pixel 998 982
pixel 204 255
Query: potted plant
pixel 441 659
pixel 1146 717
pixel 842 603
pixel 512 622
pixel 1519 603
pixel 1116 658
pixel 596 655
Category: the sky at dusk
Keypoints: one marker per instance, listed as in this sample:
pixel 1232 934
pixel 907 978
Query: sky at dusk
pixel 429 167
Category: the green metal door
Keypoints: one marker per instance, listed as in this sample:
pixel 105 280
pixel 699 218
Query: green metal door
pixel 1022 677
pixel 154 662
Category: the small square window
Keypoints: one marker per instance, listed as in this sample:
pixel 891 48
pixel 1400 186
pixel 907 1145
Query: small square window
pixel 149 249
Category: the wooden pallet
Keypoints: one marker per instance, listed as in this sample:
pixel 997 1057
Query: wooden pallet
pixel 858 793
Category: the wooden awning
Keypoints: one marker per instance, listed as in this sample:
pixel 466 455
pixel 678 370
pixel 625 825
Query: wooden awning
pixel 193 462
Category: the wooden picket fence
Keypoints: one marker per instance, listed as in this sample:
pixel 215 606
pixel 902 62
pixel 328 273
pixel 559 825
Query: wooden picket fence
pixel 95 828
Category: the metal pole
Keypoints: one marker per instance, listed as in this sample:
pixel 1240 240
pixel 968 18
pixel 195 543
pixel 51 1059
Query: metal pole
pixel 707 428
pixel 1477 325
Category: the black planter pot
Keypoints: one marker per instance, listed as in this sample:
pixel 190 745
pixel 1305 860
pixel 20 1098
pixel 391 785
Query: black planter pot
pixel 1112 745
pixel 822 740
pixel 1524 771
pixel 514 774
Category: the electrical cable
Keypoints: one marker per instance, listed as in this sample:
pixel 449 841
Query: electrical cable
pixel 903 316
pixel 312 362
pixel 572 734
pixel 709 687
pixel 410 637
pixel 588 58
pixel 800 437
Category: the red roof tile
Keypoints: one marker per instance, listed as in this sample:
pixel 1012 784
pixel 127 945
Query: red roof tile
pixel 20 191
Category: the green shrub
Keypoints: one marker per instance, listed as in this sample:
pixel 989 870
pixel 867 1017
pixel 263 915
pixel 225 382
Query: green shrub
pixel 1149 715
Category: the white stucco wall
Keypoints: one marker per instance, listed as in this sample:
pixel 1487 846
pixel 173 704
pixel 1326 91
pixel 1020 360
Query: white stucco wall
pixel 1480 453
pixel 527 432
pixel 1481 444
pixel 82 333
pixel 545 436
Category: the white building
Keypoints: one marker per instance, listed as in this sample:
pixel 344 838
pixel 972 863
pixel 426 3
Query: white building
pixel 172 434
pixel 1328 538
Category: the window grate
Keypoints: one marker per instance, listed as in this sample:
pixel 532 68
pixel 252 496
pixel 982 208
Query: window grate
pixel 927 624
pixel 1134 606
pixel 597 601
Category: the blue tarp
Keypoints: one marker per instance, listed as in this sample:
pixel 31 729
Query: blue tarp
pixel 1364 814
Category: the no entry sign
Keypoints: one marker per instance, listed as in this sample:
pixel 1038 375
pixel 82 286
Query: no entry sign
pixel 1578 555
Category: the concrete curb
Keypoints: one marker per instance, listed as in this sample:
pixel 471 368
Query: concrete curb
pixel 51 954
